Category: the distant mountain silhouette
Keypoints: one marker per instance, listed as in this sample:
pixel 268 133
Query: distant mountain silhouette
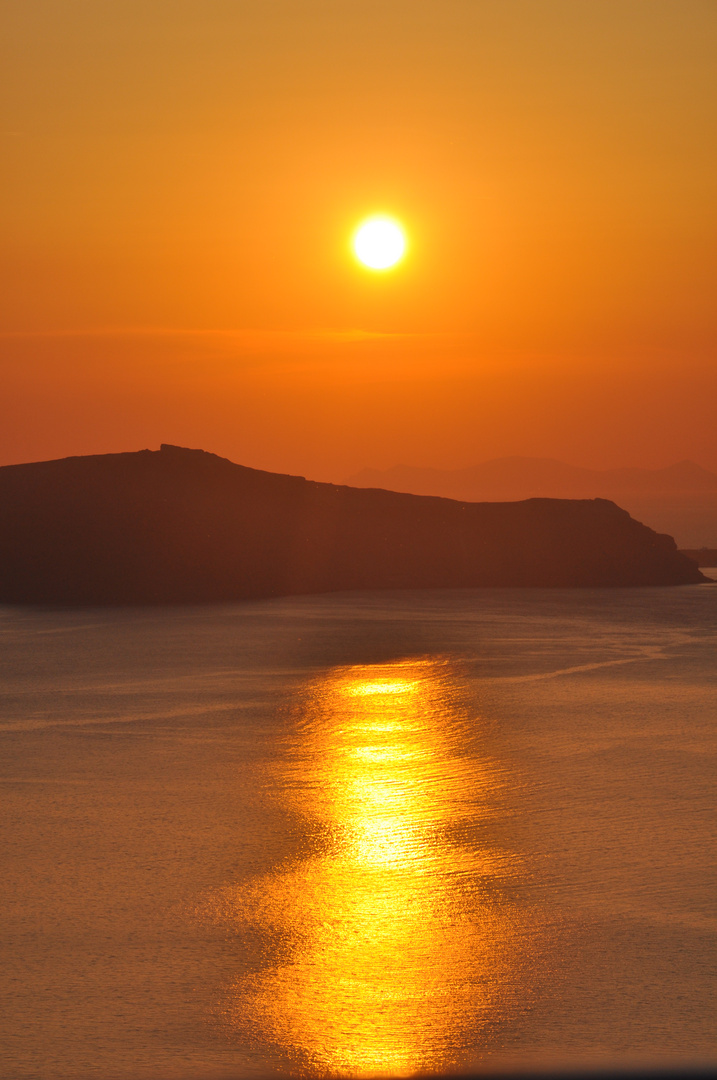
pixel 703 556
pixel 680 500
pixel 526 478
pixel 179 525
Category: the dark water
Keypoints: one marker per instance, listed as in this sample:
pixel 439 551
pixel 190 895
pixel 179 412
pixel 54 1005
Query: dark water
pixel 360 834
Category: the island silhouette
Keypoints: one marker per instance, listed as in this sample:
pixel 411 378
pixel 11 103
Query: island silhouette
pixel 179 525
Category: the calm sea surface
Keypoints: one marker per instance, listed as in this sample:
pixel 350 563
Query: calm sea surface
pixel 359 834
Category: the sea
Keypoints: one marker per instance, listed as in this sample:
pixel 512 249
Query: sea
pixel 360 834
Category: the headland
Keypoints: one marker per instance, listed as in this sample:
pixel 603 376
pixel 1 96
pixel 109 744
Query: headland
pixel 184 526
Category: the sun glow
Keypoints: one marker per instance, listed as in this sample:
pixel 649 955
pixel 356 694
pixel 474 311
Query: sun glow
pixel 379 243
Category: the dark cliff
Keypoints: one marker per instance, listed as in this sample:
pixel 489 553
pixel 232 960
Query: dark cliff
pixel 180 525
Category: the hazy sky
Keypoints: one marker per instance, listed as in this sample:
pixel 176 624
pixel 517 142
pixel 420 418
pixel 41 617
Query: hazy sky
pixel 181 180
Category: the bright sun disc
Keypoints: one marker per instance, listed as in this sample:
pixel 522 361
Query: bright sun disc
pixel 379 243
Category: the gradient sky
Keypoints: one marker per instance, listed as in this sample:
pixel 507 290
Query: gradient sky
pixel 182 178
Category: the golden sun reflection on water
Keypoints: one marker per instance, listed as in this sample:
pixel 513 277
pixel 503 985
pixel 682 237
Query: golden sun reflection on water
pixel 388 947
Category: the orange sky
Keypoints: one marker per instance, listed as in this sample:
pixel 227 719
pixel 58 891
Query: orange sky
pixel 182 178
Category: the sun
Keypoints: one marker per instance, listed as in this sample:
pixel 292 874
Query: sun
pixel 379 242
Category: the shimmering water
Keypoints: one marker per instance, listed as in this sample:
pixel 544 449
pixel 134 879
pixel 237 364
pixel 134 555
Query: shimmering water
pixel 360 834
